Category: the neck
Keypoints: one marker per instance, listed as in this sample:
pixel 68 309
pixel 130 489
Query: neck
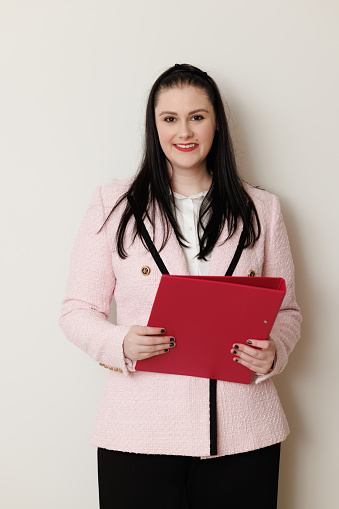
pixel 192 181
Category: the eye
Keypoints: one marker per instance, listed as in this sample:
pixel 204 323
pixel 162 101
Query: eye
pixel 197 117
pixel 169 119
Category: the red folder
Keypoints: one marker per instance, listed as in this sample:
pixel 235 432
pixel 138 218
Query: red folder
pixel 206 316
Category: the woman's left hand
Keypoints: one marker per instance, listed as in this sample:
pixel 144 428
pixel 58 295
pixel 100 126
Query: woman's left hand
pixel 259 359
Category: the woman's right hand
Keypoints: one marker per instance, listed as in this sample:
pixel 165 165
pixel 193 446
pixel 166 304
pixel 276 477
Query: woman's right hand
pixel 142 342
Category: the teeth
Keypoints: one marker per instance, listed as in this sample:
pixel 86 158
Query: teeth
pixel 186 146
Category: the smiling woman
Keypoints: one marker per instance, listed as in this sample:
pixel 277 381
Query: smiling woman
pixel 186 212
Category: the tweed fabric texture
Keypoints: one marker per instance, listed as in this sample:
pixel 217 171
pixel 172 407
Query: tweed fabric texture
pixel 159 413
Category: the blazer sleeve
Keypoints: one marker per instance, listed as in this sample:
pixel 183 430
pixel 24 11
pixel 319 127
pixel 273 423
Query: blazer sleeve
pixel 278 263
pixel 90 287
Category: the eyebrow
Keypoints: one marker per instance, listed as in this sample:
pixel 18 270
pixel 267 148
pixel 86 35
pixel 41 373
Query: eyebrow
pixel 175 113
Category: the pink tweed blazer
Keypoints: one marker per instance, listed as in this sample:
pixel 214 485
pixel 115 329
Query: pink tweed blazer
pixel 169 414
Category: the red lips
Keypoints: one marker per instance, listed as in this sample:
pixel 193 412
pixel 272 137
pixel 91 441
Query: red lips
pixel 186 147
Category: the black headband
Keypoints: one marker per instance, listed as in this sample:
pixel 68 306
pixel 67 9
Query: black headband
pixel 186 68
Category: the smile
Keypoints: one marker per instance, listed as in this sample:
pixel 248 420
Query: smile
pixel 187 147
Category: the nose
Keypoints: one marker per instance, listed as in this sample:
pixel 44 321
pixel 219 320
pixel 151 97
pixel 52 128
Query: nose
pixel 185 130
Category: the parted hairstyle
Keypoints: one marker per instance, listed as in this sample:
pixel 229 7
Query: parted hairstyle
pixel 226 200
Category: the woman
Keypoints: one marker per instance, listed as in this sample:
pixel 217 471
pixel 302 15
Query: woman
pixel 161 437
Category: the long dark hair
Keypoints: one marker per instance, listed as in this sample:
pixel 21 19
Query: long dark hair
pixel 226 200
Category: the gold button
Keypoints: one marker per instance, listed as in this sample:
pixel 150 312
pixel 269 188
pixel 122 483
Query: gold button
pixel 145 271
pixel 251 273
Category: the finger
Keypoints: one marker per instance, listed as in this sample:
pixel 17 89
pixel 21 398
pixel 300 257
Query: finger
pixel 153 354
pixel 256 353
pixel 255 360
pixel 261 369
pixel 264 344
pixel 144 330
pixel 260 361
pixel 156 347
pixel 154 340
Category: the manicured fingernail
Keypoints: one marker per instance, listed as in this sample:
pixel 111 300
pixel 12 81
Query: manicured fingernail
pixel 235 360
pixel 171 344
pixel 167 350
pixel 236 346
pixel 162 331
pixel 249 342
pixel 234 351
pixel 172 339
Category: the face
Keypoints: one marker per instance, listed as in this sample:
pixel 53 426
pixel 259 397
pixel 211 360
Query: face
pixel 186 125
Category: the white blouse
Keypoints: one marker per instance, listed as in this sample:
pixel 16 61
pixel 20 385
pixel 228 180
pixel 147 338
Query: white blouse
pixel 187 213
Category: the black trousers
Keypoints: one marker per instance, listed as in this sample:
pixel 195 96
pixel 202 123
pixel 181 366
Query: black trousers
pixel 139 481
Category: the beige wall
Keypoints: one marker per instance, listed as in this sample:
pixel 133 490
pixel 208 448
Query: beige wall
pixel 74 75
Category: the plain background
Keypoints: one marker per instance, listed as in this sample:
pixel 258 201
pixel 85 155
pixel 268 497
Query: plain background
pixel 74 77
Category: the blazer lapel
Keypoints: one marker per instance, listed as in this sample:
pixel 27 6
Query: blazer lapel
pixel 172 254
pixel 174 257
pixel 223 252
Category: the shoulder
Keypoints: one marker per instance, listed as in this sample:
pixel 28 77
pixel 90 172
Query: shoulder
pixel 266 203
pixel 103 200
pixel 106 196
pixel 269 212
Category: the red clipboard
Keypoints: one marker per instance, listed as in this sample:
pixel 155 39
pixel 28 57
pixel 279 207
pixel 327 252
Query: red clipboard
pixel 208 314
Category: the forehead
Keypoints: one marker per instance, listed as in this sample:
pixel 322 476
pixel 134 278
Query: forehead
pixel 185 97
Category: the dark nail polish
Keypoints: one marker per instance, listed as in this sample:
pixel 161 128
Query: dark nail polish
pixel 171 344
pixel 236 346
pixel 172 339
pixel 162 331
pixel 236 360
pixel 249 342
pixel 167 350
pixel 234 351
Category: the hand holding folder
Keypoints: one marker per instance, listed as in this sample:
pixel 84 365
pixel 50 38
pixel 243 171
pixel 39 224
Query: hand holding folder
pixel 208 314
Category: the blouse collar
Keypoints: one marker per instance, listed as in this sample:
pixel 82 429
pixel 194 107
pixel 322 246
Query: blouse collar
pixel 192 197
